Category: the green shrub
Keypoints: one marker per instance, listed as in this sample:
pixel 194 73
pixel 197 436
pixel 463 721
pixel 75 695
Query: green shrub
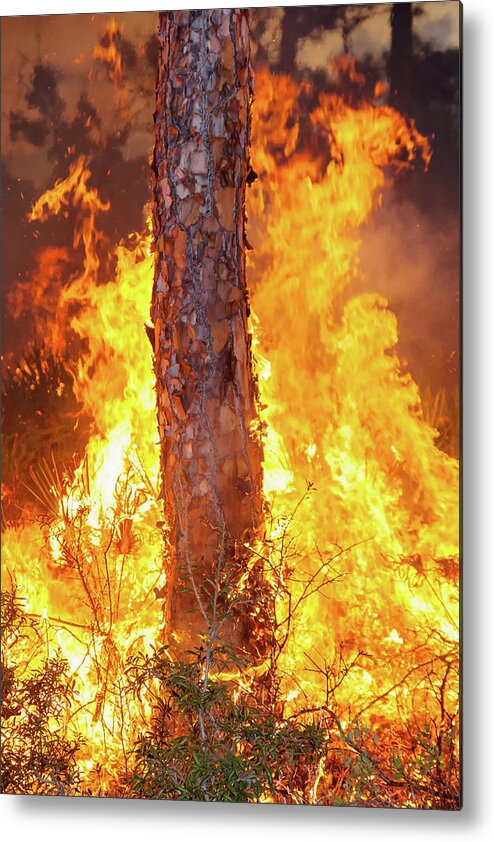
pixel 37 755
pixel 211 741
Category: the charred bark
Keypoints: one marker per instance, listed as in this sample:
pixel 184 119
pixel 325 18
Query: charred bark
pixel 206 391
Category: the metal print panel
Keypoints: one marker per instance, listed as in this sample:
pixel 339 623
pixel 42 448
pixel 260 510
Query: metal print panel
pixel 230 405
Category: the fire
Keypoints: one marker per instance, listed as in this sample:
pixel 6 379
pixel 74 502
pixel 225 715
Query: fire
pixel 98 563
pixel 341 414
pixel 108 52
pixel 367 586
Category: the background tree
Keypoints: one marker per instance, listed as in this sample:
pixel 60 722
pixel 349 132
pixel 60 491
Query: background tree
pixel 400 64
pixel 206 392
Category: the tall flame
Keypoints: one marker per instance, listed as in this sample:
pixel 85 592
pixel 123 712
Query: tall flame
pixel 341 414
pixel 100 562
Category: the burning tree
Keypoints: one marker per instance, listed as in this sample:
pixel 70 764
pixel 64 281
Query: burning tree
pixel 358 504
pixel 210 458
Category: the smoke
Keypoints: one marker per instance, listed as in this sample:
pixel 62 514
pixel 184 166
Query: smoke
pixel 34 131
pixel 412 259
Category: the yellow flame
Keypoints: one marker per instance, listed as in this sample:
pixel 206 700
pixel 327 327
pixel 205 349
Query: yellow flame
pixel 341 413
pixel 95 571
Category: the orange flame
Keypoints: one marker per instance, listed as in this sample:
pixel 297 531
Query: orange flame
pixel 99 563
pixel 341 414
pixel 109 53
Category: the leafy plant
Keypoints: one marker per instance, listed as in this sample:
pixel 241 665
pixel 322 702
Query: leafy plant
pixel 40 416
pixel 37 754
pixel 213 742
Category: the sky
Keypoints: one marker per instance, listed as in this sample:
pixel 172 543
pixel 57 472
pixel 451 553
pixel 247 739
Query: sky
pixel 437 23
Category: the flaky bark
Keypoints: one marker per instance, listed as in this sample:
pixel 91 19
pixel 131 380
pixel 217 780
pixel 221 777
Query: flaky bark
pixel 206 393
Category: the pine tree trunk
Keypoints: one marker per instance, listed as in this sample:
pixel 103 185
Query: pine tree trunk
pixel 206 392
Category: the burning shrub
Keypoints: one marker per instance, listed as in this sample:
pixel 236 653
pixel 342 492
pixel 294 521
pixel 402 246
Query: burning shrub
pixel 212 742
pixel 38 755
